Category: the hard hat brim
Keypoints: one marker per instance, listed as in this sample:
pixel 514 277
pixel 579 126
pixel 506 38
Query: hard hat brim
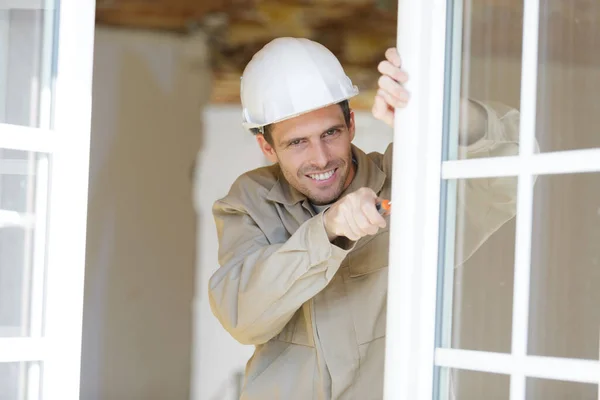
pixel 250 125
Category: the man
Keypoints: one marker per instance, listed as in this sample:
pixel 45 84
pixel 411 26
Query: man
pixel 303 250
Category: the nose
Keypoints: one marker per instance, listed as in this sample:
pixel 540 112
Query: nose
pixel 320 155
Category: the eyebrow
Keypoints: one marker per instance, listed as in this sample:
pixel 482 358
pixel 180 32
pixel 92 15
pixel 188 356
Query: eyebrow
pixel 338 126
pixel 289 141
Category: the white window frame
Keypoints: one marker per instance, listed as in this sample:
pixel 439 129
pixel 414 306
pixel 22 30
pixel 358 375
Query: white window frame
pixel 411 353
pixel 65 135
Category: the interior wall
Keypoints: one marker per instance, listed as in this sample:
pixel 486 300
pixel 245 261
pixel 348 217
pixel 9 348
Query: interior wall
pixel 141 242
pixel 227 152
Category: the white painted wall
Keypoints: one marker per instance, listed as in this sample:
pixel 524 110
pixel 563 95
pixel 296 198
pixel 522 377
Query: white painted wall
pixel 227 152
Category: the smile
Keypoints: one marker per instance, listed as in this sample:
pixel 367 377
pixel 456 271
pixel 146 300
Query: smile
pixel 322 176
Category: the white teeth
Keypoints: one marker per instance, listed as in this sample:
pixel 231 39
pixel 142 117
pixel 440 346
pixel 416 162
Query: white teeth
pixel 322 177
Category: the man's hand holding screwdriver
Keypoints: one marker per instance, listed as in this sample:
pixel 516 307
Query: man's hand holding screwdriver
pixel 354 216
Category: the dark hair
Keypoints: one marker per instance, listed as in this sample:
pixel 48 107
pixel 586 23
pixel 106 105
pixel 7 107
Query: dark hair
pixel 267 129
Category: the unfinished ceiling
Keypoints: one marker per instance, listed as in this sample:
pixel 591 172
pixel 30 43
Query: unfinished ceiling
pixel 357 31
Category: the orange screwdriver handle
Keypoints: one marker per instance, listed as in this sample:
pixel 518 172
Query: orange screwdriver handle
pixel 384 207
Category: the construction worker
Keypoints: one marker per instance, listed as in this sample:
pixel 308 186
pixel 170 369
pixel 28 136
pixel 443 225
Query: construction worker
pixel 303 250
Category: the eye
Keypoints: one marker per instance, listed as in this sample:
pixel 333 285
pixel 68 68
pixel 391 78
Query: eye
pixel 331 132
pixel 295 142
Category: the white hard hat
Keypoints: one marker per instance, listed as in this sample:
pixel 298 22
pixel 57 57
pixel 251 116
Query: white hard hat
pixel 289 77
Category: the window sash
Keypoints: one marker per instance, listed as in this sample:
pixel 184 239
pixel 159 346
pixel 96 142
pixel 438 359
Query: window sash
pixel 426 34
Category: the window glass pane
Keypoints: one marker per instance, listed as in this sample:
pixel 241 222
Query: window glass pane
pixel 27 39
pixel 479 264
pixel 478 219
pixel 461 384
pixel 569 75
pixel 543 389
pixel 565 275
pixel 20 381
pixel 487 78
pixel 480 227
pixel 23 191
pixel 568 110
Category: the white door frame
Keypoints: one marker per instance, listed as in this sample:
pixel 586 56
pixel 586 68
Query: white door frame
pixel 412 353
pixel 63 135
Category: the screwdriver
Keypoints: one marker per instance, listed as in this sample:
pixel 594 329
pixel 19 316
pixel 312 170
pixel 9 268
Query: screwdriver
pixel 384 207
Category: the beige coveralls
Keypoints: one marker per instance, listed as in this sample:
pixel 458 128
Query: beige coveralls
pixel 316 311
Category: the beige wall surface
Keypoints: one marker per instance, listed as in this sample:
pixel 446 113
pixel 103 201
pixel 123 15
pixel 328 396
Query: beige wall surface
pixel 141 244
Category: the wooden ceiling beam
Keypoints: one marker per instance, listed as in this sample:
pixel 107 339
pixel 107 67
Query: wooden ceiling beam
pixel 172 15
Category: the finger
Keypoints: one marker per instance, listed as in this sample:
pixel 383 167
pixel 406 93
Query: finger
pixel 382 111
pixel 363 223
pixel 393 56
pixel 394 89
pixel 391 101
pixel 387 68
pixel 373 215
pixel 344 227
pixel 354 229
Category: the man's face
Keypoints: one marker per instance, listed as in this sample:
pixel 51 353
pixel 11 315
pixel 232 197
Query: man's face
pixel 314 152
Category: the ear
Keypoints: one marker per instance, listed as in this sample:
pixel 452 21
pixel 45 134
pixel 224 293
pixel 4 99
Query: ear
pixel 352 127
pixel 266 148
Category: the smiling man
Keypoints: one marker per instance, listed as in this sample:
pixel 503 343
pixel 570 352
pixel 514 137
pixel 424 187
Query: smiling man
pixel 303 251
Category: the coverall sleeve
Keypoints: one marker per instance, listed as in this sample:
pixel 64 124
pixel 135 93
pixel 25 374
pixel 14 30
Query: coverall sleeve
pixel 486 204
pixel 259 285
